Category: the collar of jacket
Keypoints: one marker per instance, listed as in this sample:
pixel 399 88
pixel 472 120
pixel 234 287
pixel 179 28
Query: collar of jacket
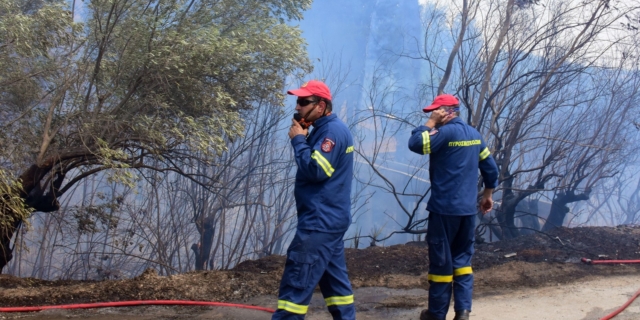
pixel 454 120
pixel 318 123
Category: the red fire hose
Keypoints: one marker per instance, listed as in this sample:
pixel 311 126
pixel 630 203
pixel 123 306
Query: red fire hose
pixel 624 306
pixel 223 304
pixel 635 295
pixel 589 261
pixel 135 303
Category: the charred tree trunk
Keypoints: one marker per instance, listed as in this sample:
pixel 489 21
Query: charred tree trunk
pixel 632 208
pixel 560 208
pixel 202 250
pixel 510 201
pixel 506 217
pixel 528 214
pixel 40 196
pixel 196 252
pixel 6 233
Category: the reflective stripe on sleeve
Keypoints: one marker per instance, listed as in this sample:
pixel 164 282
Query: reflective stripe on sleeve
pixel 292 307
pixel 426 143
pixel 323 163
pixel 338 300
pixel 439 278
pixel 484 154
pixel 462 271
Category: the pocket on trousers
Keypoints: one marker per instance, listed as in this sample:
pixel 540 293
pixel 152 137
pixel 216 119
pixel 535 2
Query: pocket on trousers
pixel 437 252
pixel 299 268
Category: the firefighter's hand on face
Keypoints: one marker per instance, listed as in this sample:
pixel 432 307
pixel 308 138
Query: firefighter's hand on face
pixel 437 118
pixel 296 129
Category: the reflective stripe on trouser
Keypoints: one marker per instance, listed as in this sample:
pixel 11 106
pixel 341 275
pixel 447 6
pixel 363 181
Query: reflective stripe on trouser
pixel 450 241
pixel 315 258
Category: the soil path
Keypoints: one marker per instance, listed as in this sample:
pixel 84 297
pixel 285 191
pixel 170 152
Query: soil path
pixel 590 299
pixel 537 276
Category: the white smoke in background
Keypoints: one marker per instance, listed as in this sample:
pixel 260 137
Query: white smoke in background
pixel 539 14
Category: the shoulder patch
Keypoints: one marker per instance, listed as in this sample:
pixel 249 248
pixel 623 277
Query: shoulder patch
pixel 433 131
pixel 327 145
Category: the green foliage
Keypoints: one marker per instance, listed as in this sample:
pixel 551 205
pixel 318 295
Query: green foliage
pixel 138 84
pixel 10 202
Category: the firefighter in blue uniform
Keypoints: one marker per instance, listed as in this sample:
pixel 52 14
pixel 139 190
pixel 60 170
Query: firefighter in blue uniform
pixel 456 152
pixel 323 201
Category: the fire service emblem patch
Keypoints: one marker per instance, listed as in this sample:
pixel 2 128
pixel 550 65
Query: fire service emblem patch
pixel 327 145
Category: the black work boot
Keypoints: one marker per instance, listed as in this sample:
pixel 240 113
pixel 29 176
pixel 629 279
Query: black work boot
pixel 426 315
pixel 462 315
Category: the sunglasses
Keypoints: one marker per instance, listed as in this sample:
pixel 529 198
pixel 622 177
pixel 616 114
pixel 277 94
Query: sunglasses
pixel 304 102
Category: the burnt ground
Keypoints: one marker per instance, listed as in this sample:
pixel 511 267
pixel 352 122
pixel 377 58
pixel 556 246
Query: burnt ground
pixel 540 260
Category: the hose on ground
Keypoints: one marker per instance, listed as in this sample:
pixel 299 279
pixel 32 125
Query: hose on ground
pixel 624 306
pixel 635 295
pixel 135 303
pixel 242 306
pixel 589 261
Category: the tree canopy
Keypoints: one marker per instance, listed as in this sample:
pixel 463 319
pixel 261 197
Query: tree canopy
pixel 131 84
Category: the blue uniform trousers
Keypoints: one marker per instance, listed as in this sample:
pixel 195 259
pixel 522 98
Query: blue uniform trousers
pixel 314 258
pixel 450 241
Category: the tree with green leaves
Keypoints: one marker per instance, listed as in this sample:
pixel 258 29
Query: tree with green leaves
pixel 158 85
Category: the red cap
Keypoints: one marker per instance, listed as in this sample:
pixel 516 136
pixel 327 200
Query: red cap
pixel 442 100
pixel 312 88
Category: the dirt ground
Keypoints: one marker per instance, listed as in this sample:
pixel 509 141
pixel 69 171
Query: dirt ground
pixel 537 276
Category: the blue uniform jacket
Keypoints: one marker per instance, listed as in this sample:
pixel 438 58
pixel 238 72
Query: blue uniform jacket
pixel 323 181
pixel 456 152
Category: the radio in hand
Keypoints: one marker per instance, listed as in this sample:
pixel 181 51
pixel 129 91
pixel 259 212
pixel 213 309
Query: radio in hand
pixel 304 124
